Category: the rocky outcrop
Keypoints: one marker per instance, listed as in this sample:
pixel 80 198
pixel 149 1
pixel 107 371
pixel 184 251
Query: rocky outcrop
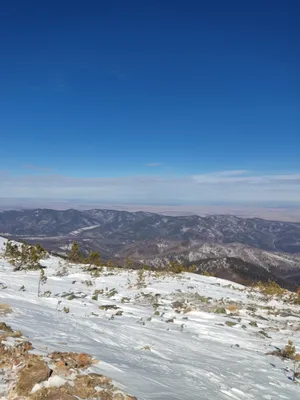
pixel 35 371
pixel 56 376
pixel 64 361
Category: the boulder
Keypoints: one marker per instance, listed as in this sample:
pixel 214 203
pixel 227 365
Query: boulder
pixel 35 371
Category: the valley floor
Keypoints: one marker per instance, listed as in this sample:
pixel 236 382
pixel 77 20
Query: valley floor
pixel 159 337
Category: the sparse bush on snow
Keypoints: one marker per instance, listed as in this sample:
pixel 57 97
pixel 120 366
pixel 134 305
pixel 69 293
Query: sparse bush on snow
pixel 24 256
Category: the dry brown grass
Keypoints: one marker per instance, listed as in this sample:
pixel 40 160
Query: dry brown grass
pixel 187 310
pixel 233 308
pixel 5 309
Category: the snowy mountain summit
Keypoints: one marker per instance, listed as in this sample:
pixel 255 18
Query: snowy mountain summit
pixel 115 334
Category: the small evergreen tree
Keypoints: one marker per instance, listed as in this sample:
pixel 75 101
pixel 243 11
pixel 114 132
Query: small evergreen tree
pixel 94 259
pixel 11 250
pixel 128 263
pixel 24 256
pixel 42 280
pixel 75 254
pixel 110 264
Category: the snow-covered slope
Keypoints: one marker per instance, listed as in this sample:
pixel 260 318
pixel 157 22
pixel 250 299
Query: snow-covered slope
pixel 193 251
pixel 160 337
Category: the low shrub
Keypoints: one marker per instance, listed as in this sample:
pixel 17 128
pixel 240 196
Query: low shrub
pixel 24 256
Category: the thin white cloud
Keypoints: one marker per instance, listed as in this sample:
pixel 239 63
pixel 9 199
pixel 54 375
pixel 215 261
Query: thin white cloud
pixel 224 186
pixel 242 176
pixel 38 168
pixel 230 173
pixel 154 164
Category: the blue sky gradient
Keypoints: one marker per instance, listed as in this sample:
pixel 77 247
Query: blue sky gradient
pixel 102 100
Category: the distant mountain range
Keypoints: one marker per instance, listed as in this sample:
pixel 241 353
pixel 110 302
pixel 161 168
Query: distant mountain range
pixel 238 244
pixel 233 261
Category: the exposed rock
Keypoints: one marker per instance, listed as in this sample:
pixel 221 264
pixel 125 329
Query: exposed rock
pixel 108 307
pixel 168 321
pixel 5 328
pixel 65 360
pixel 120 396
pixel 15 355
pixel 52 394
pixel 11 333
pixel 62 369
pixel 289 314
pixel 84 360
pixel 253 323
pixel 24 371
pixel 230 323
pixel 35 371
pixel 84 385
pixel 178 304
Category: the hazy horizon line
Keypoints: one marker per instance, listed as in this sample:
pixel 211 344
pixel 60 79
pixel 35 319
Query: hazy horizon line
pixel 280 212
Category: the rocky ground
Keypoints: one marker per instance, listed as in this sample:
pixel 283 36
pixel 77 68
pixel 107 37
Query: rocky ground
pixel 54 376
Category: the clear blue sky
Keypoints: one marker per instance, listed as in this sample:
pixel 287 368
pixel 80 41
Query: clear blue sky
pixel 112 89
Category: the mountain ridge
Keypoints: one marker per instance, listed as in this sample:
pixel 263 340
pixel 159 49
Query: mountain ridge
pixel 123 227
pixel 272 248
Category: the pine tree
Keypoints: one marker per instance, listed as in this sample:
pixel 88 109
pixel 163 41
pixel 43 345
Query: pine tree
pixel 110 264
pixel 75 254
pixel 24 256
pixel 94 258
pixel 11 250
pixel 128 263
pixel 42 280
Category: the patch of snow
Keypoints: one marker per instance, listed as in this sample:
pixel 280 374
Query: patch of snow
pixel 87 228
pixel 184 229
pixel 66 246
pixel 53 381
